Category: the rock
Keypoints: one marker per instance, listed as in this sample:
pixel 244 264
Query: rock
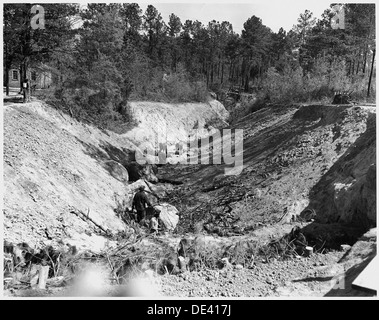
pixel 345 247
pixel 184 276
pixel 213 95
pixel 225 263
pixel 137 171
pixel 168 215
pixel 55 282
pixel 238 267
pixel 182 263
pixel 149 273
pixel 117 170
pixel 145 266
pixel 219 109
pixel 369 235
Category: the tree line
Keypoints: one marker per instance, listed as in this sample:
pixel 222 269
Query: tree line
pixel 103 55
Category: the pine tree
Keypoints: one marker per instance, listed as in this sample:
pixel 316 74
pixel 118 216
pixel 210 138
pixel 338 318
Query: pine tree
pixel 26 45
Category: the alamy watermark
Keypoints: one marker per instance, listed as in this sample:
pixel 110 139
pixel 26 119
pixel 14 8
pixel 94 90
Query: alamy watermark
pixel 338 20
pixel 219 147
pixel 338 282
pixel 38 19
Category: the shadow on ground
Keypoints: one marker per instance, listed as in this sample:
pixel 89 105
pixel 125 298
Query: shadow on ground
pixel 344 286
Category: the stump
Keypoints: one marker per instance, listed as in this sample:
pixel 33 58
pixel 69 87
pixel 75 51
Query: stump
pixel 42 277
pixel 308 251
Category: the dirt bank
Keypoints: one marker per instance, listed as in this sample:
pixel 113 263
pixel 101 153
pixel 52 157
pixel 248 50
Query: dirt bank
pixel 172 123
pixel 307 166
pixel 315 159
pixel 54 166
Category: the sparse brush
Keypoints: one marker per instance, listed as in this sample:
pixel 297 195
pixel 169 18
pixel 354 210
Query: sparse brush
pixel 319 84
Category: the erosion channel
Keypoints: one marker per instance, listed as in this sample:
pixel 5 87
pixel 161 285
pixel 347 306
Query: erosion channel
pixel 298 218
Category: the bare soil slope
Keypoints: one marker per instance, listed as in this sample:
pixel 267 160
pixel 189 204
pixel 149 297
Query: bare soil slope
pixel 309 166
pixel 171 123
pixel 310 160
pixel 52 165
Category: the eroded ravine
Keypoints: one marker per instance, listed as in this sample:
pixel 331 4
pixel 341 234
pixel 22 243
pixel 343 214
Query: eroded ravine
pixel 291 156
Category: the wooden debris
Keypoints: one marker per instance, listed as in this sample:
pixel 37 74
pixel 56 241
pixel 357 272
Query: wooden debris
pixel 308 251
pixel 42 277
pixel 182 263
pixel 86 217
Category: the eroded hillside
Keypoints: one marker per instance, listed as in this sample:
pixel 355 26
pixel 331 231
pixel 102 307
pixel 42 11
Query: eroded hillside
pixel 311 167
pixel 317 160
pixel 54 165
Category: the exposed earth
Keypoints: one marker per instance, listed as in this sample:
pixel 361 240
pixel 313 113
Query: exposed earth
pixel 310 166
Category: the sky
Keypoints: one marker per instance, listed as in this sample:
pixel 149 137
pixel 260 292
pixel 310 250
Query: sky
pixel 274 13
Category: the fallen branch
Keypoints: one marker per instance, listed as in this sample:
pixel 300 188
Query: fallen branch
pixel 151 191
pixel 86 217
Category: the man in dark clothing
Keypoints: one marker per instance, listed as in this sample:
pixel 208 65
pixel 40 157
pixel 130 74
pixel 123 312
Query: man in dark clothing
pixel 140 201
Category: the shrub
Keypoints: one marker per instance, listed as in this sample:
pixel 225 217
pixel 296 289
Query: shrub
pixel 149 84
pixel 284 87
pixel 180 88
pixel 326 77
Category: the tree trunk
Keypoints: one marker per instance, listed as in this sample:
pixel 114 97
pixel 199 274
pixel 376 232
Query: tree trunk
pixel 349 72
pixel 222 73
pixel 372 67
pixel 212 70
pixel 21 76
pixel 218 69
pixel 6 76
pixel 364 63
pixel 6 79
pixel 246 85
pixel 230 71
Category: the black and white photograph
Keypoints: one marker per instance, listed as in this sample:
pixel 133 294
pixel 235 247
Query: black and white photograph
pixel 166 151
